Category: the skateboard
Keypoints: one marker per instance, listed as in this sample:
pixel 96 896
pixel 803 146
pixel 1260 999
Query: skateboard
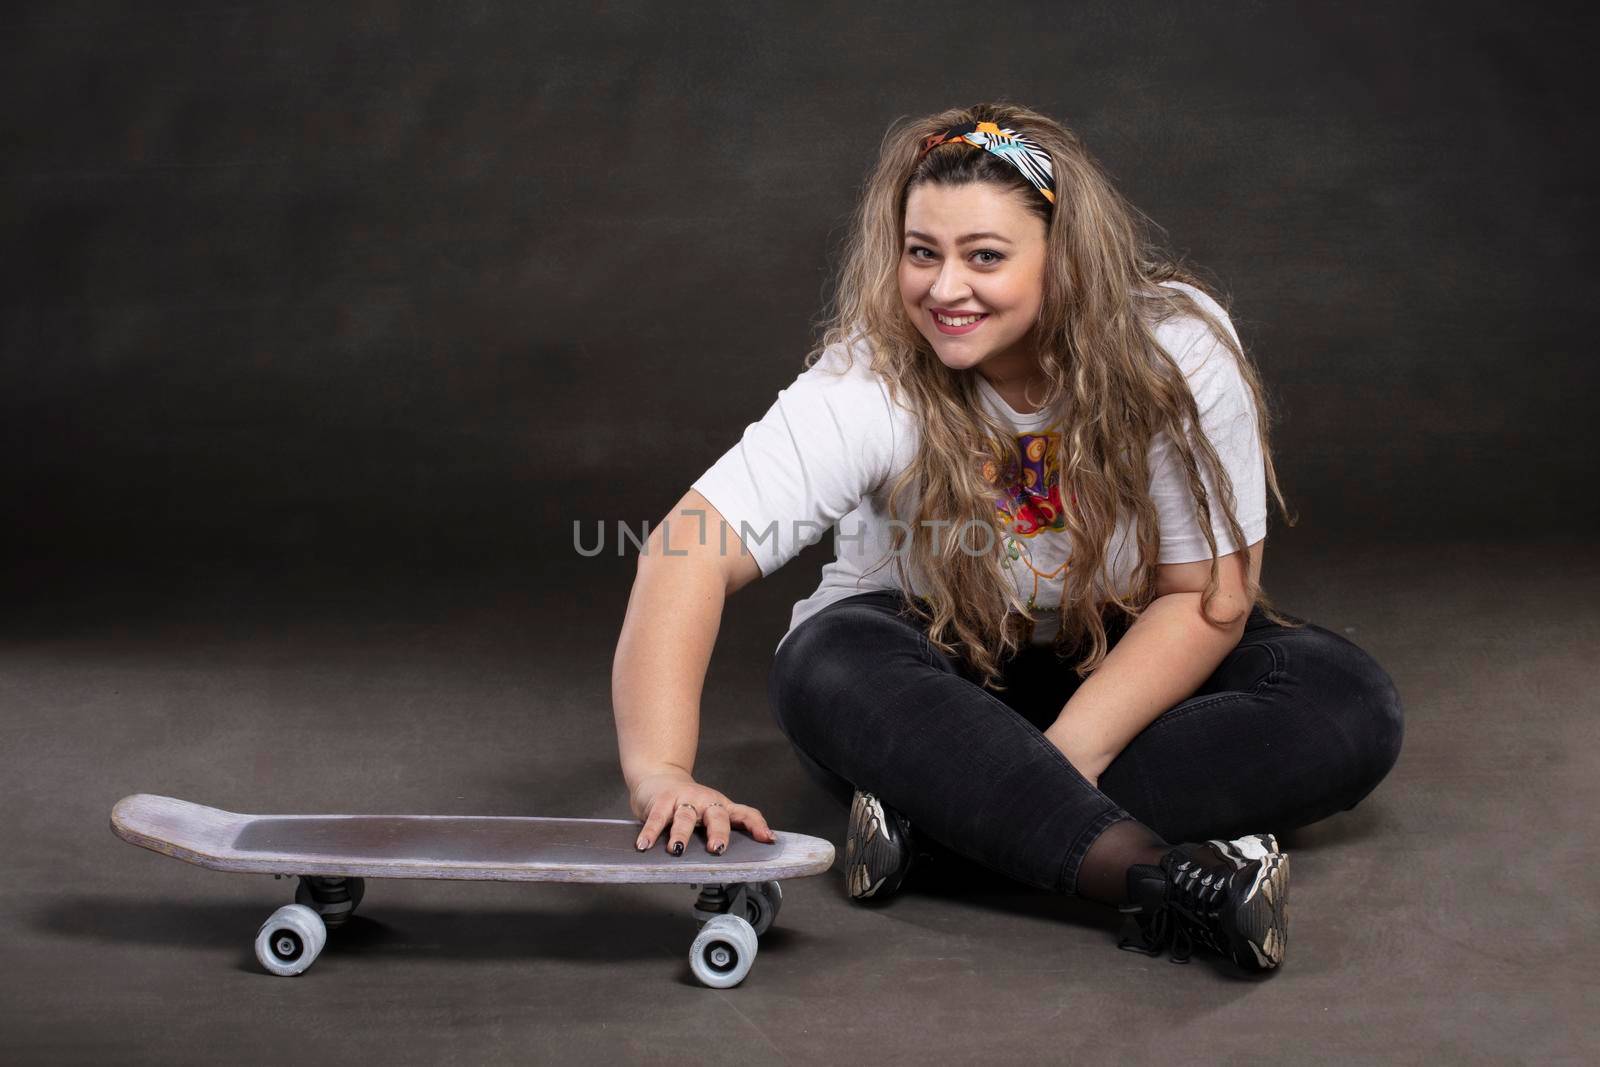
pixel 333 855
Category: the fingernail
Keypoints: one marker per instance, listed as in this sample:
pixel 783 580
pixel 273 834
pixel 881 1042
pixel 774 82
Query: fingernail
pixel 719 849
pixel 639 844
pixel 677 848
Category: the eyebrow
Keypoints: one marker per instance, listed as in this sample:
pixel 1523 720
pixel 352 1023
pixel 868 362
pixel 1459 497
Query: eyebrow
pixel 919 235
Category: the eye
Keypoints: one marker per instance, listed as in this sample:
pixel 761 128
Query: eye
pixel 996 256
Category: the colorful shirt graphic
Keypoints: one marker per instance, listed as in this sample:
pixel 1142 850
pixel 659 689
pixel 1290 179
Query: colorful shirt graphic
pixel 1032 515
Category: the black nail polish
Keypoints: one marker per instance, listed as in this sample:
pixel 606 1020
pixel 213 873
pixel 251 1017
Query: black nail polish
pixel 677 848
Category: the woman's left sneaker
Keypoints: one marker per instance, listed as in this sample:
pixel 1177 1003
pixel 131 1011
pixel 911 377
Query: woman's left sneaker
pixel 1231 897
pixel 878 849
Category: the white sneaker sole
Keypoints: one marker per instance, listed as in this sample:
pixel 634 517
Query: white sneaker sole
pixel 1263 916
pixel 869 854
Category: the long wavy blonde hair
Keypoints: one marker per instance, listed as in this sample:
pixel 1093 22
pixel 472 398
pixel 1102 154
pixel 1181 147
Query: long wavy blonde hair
pixel 1097 349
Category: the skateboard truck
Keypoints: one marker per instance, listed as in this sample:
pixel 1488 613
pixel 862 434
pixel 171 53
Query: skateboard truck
pixel 334 899
pixel 757 904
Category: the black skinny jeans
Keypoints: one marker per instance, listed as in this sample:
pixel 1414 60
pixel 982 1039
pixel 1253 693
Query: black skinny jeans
pixel 1293 726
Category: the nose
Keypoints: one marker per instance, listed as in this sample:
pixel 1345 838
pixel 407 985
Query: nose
pixel 949 287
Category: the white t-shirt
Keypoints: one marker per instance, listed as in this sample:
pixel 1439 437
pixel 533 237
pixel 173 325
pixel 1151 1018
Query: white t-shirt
pixel 829 449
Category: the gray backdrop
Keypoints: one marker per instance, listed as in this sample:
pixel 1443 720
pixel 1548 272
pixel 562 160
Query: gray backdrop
pixel 292 285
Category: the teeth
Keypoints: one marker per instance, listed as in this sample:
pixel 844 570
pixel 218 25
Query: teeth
pixel 963 321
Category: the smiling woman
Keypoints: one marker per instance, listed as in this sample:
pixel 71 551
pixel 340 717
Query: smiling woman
pixel 1043 643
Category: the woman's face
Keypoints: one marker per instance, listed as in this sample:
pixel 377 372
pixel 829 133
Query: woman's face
pixel 974 249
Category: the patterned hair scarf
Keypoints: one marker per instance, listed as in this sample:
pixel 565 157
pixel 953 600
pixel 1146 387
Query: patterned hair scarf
pixel 1021 152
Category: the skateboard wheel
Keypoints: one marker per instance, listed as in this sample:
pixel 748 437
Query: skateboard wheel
pixel 773 891
pixel 290 940
pixel 723 951
pixel 761 902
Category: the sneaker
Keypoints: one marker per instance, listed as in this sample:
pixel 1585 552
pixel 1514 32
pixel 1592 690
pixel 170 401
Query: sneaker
pixel 878 849
pixel 1231 897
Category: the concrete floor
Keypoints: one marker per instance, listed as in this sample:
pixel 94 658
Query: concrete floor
pixel 1451 917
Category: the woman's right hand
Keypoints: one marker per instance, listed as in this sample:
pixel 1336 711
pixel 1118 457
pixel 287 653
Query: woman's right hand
pixel 675 801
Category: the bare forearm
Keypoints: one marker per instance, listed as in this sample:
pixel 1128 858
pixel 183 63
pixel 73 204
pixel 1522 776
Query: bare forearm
pixel 1159 662
pixel 673 615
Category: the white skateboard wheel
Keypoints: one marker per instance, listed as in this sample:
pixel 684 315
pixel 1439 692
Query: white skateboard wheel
pixel 723 951
pixel 290 940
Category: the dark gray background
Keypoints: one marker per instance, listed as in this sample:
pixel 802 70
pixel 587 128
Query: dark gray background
pixel 320 324
pixel 299 284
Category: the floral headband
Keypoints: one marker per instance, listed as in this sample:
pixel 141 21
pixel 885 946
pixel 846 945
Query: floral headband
pixel 1021 152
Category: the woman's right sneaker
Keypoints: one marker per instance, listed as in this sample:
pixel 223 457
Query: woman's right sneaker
pixel 879 849
pixel 1229 896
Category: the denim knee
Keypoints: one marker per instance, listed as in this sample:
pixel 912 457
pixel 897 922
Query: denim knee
pixel 831 652
pixel 801 672
pixel 1381 702
pixel 1368 706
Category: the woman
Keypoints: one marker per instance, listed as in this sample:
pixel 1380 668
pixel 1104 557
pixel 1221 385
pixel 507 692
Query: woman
pixel 1043 642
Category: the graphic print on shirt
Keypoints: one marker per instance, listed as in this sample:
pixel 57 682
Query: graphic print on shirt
pixel 1030 511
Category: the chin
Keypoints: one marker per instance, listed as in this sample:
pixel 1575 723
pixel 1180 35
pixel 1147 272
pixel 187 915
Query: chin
pixel 960 360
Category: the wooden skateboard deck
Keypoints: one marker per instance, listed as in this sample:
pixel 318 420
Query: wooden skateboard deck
pixel 473 848
pixel 333 854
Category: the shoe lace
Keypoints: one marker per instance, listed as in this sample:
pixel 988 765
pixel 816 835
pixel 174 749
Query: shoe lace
pixel 1186 914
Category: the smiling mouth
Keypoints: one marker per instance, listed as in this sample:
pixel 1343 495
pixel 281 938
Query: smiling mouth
pixel 957 320
pixel 959 324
